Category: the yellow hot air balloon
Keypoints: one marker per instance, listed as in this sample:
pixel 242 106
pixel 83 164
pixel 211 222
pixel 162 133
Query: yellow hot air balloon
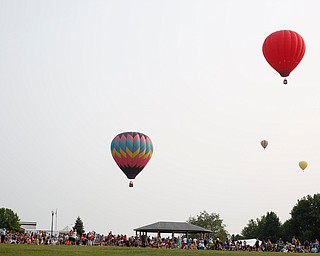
pixel 303 165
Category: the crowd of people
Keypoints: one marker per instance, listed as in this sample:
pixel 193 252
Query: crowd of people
pixel 94 239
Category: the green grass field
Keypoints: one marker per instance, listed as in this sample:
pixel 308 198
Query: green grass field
pixel 48 250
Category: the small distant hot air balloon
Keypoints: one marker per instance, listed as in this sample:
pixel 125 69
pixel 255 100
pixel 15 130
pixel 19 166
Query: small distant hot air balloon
pixel 284 50
pixel 131 151
pixel 264 143
pixel 303 165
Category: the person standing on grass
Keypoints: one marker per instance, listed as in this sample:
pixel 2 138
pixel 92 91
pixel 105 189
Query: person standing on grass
pixel 3 234
pixel 257 247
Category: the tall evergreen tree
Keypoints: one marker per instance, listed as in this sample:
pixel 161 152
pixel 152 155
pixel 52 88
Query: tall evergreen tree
pixel 78 226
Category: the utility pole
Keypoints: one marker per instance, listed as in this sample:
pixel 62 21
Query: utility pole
pixel 56 220
pixel 52 213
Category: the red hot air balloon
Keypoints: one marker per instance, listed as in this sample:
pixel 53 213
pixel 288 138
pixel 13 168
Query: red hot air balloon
pixel 284 50
pixel 131 151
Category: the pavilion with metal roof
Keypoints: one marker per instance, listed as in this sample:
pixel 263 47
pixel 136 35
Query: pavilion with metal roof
pixel 171 227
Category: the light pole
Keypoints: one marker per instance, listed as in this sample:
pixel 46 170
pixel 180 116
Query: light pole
pixel 52 213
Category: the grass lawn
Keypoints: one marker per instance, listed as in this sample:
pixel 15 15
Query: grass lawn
pixel 48 250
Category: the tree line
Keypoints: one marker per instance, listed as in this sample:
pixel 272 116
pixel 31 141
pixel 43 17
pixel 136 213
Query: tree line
pixel 304 223
pixel 10 221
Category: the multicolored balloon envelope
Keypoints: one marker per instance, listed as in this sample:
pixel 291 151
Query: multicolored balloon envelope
pixel 131 151
pixel 284 50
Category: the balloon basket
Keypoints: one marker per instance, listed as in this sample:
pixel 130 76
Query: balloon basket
pixel 130 184
pixel 285 81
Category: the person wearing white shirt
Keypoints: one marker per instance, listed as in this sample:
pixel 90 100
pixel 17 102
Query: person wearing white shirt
pixel 3 234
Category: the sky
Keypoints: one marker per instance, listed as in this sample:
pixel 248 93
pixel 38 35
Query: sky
pixel 189 74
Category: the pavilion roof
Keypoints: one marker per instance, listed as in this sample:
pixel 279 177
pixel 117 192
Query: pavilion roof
pixel 169 227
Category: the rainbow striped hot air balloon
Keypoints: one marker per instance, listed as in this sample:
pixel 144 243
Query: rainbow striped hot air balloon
pixel 131 151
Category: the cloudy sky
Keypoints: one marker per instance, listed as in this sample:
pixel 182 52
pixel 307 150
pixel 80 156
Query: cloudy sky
pixel 189 74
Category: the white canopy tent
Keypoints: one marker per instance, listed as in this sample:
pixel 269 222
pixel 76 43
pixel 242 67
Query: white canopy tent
pixel 66 229
pixel 250 242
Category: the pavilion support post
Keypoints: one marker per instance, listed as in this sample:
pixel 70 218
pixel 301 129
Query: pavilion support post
pixel 172 240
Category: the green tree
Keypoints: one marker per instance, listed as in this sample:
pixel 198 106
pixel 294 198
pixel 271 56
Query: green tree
pixel 286 230
pixel 267 227
pixel 305 218
pixel 251 230
pixel 212 222
pixel 303 224
pixel 236 237
pixel 78 226
pixel 9 220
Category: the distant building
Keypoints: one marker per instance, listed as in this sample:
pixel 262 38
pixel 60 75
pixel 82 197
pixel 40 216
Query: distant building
pixel 31 227
pixel 28 226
